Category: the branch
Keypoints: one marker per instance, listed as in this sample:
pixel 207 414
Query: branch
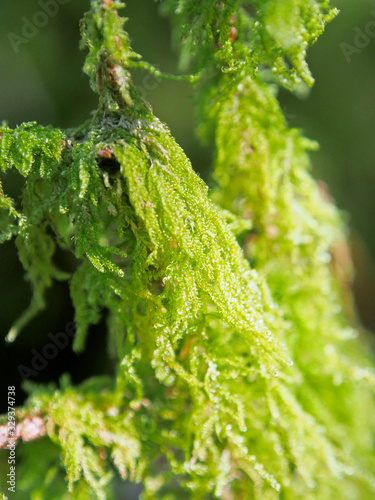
pixel 29 429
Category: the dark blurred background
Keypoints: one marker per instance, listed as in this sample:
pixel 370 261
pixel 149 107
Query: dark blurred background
pixel 41 80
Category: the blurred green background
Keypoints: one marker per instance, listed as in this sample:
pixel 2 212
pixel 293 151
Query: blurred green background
pixel 42 81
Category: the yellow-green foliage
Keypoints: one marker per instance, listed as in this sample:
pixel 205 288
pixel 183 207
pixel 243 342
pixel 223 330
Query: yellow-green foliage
pixel 239 374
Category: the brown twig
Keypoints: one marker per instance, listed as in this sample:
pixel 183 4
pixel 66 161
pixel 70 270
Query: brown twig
pixel 29 429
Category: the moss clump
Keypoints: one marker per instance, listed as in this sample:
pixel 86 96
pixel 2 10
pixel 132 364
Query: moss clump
pixel 237 365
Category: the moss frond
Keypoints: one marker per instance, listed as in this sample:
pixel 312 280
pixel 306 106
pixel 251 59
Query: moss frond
pixel 267 37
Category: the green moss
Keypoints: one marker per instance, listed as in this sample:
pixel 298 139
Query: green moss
pixel 237 368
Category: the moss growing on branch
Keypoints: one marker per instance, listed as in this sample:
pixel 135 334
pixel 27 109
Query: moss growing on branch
pixel 238 367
